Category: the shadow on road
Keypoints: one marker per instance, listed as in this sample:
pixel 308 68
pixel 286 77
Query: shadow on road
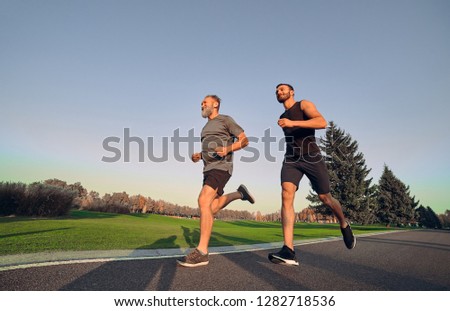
pixel 420 244
pixel 382 263
pixel 130 275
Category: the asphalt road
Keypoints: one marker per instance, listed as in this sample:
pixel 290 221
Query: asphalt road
pixel 407 261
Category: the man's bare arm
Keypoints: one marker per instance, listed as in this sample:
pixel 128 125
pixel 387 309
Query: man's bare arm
pixel 316 120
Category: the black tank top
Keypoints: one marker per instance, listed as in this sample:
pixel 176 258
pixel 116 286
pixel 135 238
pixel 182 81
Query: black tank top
pixel 299 141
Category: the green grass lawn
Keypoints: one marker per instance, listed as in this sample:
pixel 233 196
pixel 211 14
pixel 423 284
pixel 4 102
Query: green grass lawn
pixel 84 230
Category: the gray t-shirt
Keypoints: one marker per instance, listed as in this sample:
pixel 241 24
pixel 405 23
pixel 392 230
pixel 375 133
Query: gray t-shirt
pixel 219 132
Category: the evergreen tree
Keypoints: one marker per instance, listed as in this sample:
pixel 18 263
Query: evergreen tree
pixel 394 201
pixel 437 221
pixel 348 177
pixel 410 216
pixel 428 218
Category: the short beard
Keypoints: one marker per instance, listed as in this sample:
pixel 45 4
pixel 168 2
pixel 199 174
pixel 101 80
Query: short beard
pixel 282 99
pixel 206 112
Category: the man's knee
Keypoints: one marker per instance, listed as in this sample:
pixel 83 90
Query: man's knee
pixel 288 192
pixel 204 201
pixel 206 196
pixel 326 199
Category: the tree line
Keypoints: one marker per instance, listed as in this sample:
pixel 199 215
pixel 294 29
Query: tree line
pixel 55 197
pixel 389 202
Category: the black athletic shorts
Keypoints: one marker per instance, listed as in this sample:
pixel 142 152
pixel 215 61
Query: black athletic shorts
pixel 216 179
pixel 313 166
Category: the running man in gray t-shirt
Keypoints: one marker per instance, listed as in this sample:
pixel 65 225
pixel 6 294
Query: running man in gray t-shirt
pixel 221 136
pixel 220 132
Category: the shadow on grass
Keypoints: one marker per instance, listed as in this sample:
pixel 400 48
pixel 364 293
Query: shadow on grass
pixel 73 214
pixel 373 229
pixel 13 219
pixel 262 225
pixel 162 243
pixel 217 239
pixel 81 214
pixel 228 240
pixel 191 237
pixel 138 215
pixel 31 232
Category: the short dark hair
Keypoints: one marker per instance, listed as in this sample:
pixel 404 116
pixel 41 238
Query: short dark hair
pixel 216 98
pixel 290 86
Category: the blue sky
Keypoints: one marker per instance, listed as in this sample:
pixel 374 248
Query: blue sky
pixel 73 73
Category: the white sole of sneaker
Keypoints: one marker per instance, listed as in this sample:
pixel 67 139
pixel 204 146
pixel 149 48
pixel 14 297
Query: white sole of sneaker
pixel 192 265
pixel 282 261
pixel 354 243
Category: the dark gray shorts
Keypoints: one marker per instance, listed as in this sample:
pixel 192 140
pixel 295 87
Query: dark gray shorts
pixel 313 167
pixel 216 179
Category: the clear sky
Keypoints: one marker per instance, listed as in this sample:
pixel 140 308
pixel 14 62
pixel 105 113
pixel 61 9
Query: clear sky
pixel 74 73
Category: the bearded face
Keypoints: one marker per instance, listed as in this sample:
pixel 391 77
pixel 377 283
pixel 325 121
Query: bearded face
pixel 208 106
pixel 283 93
pixel 206 111
pixel 282 97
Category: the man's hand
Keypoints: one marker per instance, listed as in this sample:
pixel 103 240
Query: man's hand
pixel 222 151
pixel 196 157
pixel 285 123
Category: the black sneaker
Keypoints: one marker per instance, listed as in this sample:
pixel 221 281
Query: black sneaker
pixel 246 196
pixel 194 259
pixel 349 238
pixel 285 256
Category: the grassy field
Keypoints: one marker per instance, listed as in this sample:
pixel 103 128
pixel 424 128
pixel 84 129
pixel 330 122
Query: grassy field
pixel 83 230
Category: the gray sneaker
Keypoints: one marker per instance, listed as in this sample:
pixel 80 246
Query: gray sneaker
pixel 246 196
pixel 194 259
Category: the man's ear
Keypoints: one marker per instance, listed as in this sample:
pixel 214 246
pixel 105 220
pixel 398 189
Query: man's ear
pixel 216 104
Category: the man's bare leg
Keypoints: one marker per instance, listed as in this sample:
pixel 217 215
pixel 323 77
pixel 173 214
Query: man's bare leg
pixel 347 233
pixel 221 202
pixel 205 199
pixel 287 212
pixel 335 206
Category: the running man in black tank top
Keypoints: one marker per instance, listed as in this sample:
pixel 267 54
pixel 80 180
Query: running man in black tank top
pixel 299 122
